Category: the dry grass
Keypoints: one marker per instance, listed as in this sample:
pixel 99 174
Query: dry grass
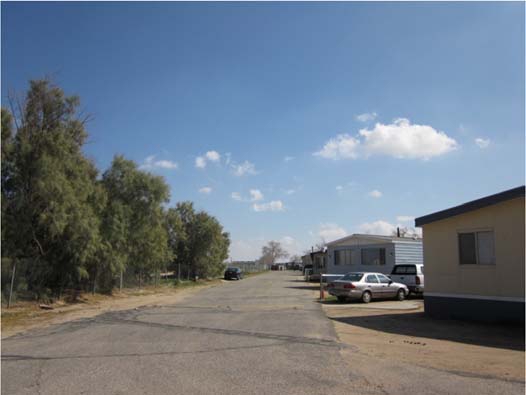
pixel 26 315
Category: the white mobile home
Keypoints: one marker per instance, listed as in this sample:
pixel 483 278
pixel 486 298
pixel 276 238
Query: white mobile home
pixel 371 253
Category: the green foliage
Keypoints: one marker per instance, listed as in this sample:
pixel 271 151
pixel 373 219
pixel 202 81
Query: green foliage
pixel 49 218
pixel 199 241
pixel 68 228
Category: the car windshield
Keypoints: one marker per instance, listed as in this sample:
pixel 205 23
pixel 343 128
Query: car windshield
pixel 352 277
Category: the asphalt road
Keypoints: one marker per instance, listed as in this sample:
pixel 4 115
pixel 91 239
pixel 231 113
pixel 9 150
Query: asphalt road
pixel 260 335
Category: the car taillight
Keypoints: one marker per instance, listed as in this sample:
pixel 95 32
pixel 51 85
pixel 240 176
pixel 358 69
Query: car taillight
pixel 417 280
pixel 349 286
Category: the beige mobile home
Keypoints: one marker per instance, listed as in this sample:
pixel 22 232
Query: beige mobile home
pixel 474 259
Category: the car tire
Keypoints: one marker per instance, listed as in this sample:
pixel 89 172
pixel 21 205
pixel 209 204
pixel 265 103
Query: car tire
pixel 341 299
pixel 400 295
pixel 366 297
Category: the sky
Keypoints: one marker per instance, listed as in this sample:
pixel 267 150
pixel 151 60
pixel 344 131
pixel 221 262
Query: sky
pixel 295 122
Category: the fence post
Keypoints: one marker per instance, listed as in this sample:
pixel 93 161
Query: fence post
pixel 120 283
pixel 321 287
pixel 12 283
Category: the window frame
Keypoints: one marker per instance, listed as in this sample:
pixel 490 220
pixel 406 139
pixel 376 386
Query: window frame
pixel 380 255
pixel 475 233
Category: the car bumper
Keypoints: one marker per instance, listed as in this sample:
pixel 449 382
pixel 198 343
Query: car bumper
pixel 417 289
pixel 351 293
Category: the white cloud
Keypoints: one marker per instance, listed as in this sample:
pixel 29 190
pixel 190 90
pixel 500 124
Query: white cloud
pixel 291 245
pixel 339 187
pixel 377 228
pixel 482 143
pixel 228 157
pixel 213 156
pixel 375 194
pixel 210 156
pixel 287 240
pixel 205 190
pixel 250 249
pixel 200 162
pixel 246 250
pixel 244 168
pixel 150 163
pixel 331 231
pixel 366 117
pixel 255 195
pixel 404 140
pixel 236 196
pixel 288 158
pixel 386 229
pixel 342 146
pixel 274 205
pixel 405 218
pixel 290 191
pixel 400 139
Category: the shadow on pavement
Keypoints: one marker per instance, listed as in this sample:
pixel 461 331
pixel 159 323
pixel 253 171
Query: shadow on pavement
pixel 311 287
pixel 509 337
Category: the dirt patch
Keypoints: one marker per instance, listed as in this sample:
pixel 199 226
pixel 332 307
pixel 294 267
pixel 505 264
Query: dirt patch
pixel 28 315
pixel 410 336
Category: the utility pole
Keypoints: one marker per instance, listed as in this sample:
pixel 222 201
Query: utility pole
pixel 12 283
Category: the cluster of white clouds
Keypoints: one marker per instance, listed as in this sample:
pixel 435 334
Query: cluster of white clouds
pixel 237 169
pixel 367 116
pixel 400 139
pixel 375 194
pixel 273 205
pixel 205 190
pixel 482 143
pixel 210 156
pixel 330 231
pixel 242 169
pixel 255 196
pixel 150 163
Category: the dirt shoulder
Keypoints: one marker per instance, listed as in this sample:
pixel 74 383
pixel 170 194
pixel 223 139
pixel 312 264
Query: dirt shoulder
pixel 24 316
pixel 400 331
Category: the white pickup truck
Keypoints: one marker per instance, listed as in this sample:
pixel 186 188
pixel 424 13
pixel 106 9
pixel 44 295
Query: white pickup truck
pixel 410 274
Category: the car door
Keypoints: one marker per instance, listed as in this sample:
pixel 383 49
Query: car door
pixel 388 290
pixel 374 285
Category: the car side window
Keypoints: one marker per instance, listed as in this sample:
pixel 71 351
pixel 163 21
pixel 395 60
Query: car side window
pixel 383 279
pixel 371 278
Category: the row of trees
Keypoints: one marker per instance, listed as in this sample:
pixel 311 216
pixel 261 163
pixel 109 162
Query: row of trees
pixel 64 225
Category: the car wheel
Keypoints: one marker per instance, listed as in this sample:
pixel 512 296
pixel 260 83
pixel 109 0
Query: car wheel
pixel 341 299
pixel 400 295
pixel 366 297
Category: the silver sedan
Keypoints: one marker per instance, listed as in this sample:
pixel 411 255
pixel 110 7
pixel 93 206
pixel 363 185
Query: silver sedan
pixel 366 286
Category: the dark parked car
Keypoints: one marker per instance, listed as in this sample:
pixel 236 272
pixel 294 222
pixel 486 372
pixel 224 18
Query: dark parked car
pixel 233 273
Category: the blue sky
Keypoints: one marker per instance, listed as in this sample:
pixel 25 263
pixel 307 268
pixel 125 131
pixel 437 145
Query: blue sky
pixel 309 120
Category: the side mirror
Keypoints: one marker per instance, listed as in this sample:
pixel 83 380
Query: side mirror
pixel 390 282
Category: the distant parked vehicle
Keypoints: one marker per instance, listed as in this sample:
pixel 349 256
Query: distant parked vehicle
pixel 411 275
pixel 366 286
pixel 233 273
